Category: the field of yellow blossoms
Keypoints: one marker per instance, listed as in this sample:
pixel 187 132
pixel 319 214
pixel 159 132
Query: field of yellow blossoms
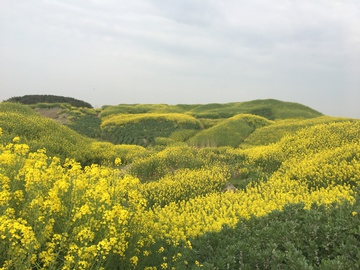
pixel 168 210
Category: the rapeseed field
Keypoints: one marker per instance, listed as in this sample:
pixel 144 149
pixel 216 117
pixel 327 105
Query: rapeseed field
pixel 167 209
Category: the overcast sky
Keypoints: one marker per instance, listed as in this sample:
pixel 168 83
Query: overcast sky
pixel 184 51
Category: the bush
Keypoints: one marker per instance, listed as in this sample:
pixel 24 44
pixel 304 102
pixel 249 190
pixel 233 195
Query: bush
pixel 293 238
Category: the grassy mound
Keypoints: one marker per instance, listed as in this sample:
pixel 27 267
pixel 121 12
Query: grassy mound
pixel 35 99
pixel 230 132
pixel 143 129
pixel 139 109
pixel 40 132
pixel 274 132
pixel 268 108
pixel 17 120
pixel 81 119
pixel 163 124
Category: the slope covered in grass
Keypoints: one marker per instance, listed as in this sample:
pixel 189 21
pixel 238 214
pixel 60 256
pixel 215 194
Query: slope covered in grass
pixel 278 129
pixel 83 120
pixel 35 99
pixel 163 124
pixel 268 108
pixel 151 124
pixel 17 120
pixel 139 109
pixel 229 132
pixel 40 132
pixel 143 129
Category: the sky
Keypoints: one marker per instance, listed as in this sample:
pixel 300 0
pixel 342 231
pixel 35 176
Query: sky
pixel 109 52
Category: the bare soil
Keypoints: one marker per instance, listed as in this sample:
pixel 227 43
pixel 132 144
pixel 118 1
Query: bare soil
pixel 54 113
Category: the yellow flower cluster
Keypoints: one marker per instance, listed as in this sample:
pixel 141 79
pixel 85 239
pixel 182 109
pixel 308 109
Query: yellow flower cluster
pixel 49 209
pixel 121 119
pixel 18 242
pixel 328 167
pixel 185 184
pixel 186 219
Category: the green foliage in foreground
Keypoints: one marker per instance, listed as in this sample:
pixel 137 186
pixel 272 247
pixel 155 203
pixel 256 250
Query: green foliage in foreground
pixel 295 238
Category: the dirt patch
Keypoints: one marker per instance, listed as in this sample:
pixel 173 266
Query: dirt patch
pixel 54 113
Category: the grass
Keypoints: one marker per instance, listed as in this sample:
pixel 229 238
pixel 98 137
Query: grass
pixel 274 132
pixel 230 132
pixel 213 124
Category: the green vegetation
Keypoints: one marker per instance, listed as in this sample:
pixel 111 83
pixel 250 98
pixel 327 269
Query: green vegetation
pixel 81 119
pixel 39 132
pixel 139 108
pixel 142 129
pixel 84 121
pixel 230 132
pixel 268 108
pixel 202 125
pixel 17 120
pixel 294 238
pixel 274 132
pixel 35 99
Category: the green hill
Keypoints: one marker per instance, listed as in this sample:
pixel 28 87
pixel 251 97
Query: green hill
pixel 213 124
pixel 76 114
pixel 278 129
pixel 153 125
pixel 268 108
pixel 35 99
pixel 143 129
pixel 229 132
pixel 17 120
pixel 40 132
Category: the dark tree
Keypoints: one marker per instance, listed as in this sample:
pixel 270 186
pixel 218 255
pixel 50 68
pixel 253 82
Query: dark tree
pixel 34 99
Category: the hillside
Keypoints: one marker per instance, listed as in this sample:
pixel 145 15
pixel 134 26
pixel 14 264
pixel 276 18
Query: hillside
pixel 278 129
pixel 48 100
pixel 39 132
pixel 267 108
pixel 214 128
pixel 227 124
pixel 229 132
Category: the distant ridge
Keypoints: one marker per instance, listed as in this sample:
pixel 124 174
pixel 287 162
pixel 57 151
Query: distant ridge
pixel 235 124
pixel 268 108
pixel 35 99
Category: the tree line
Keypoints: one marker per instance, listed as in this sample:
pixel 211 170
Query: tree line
pixel 34 99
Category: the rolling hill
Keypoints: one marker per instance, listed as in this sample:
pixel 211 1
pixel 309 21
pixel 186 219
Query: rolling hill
pixel 236 124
